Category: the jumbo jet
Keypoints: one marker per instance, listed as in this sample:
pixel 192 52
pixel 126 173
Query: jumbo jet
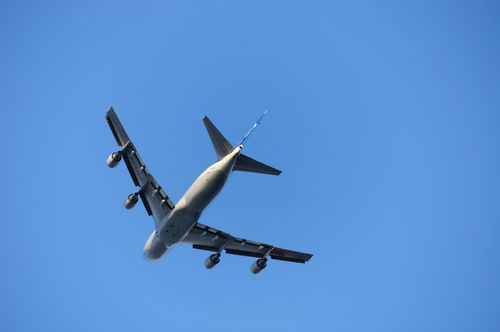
pixel 178 223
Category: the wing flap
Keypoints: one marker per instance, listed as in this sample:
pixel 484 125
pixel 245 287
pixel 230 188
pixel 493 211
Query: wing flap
pixel 146 204
pixel 202 247
pixel 135 165
pixel 159 203
pixel 244 253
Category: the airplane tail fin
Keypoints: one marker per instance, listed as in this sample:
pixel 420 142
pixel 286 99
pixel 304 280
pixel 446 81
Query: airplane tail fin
pixel 223 148
pixel 221 145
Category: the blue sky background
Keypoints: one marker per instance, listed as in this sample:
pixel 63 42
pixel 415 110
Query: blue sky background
pixel 384 117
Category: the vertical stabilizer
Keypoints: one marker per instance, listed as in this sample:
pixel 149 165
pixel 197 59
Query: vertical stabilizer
pixel 221 145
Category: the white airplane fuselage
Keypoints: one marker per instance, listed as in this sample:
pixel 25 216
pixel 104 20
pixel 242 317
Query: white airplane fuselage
pixel 176 225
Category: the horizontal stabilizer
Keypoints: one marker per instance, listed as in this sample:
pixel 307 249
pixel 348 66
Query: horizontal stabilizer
pixel 221 145
pixel 247 164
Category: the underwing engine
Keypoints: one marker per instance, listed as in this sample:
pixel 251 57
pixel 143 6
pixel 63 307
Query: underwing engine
pixel 131 201
pixel 212 260
pixel 114 159
pixel 258 265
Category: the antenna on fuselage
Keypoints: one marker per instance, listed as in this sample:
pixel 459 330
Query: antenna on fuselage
pixel 251 129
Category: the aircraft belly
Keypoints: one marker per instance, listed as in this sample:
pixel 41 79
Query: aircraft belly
pixel 177 226
pixel 189 208
pixel 205 189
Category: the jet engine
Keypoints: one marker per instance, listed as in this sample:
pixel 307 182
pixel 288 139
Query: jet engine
pixel 131 201
pixel 212 260
pixel 114 159
pixel 258 265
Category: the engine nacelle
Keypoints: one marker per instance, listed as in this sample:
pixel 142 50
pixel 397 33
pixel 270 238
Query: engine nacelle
pixel 212 260
pixel 131 201
pixel 114 159
pixel 258 265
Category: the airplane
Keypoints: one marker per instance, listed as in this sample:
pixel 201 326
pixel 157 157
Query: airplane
pixel 178 223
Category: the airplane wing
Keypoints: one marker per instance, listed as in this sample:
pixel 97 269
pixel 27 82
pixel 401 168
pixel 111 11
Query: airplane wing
pixel 155 200
pixel 208 238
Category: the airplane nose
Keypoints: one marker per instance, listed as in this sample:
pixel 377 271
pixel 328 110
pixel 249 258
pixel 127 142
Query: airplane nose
pixel 154 249
pixel 155 252
pixel 148 257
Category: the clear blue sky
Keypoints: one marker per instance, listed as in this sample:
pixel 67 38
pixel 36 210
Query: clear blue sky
pixel 384 117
